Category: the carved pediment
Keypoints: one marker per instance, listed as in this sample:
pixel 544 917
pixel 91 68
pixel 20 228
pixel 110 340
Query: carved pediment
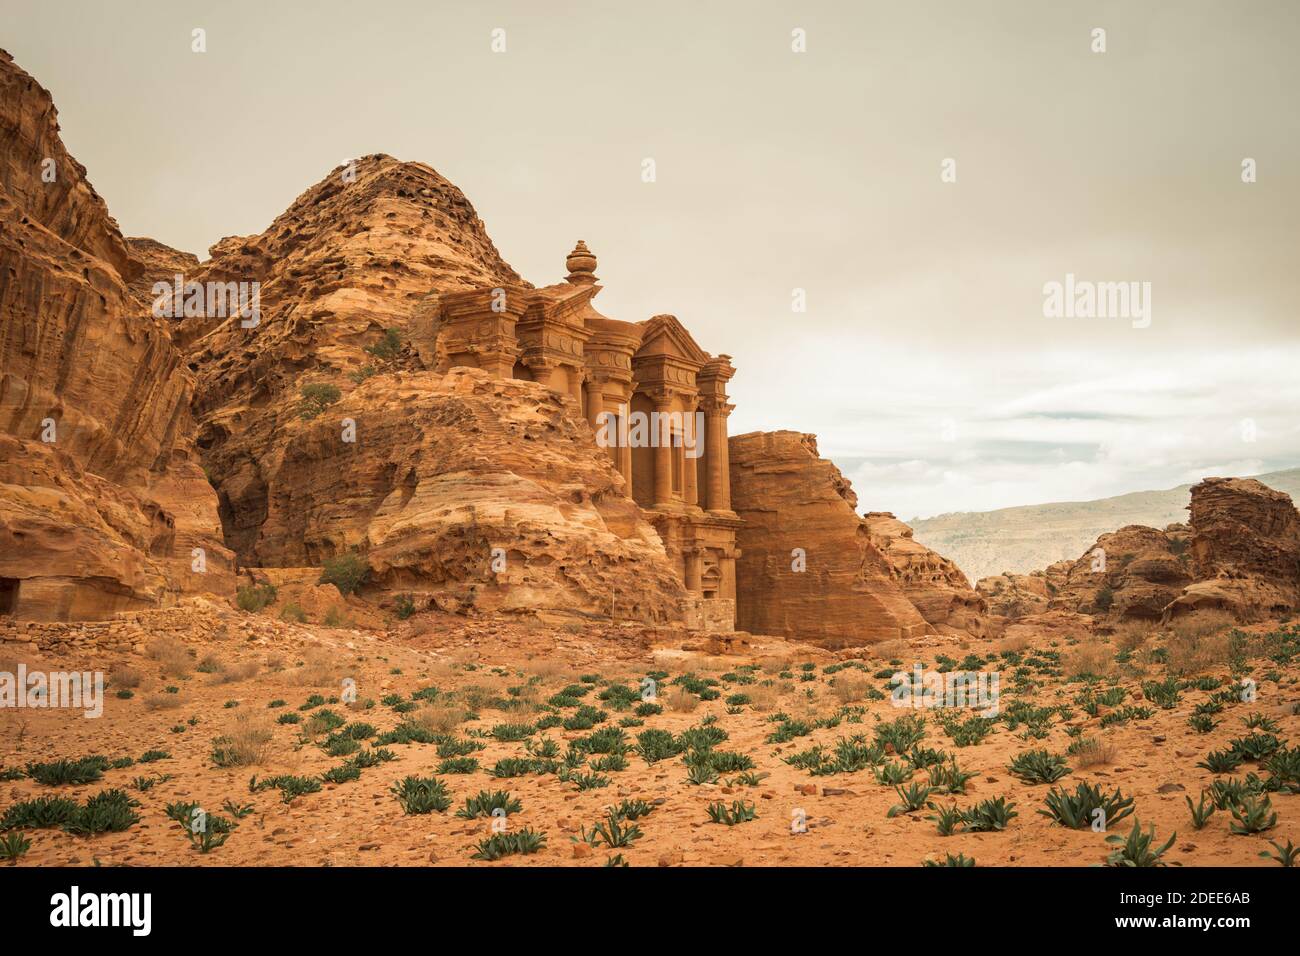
pixel 665 337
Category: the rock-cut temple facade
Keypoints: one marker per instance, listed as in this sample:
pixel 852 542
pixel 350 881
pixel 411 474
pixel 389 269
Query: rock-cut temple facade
pixel 655 400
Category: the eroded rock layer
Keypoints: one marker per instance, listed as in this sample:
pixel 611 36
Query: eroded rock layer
pixel 811 568
pixel 1240 553
pixel 101 501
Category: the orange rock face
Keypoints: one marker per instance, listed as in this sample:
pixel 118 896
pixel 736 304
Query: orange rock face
pixel 1132 573
pixel 810 567
pixel 467 492
pixel 101 502
pixel 471 493
pixel 1245 548
pixel 1015 595
pixel 934 584
pixel 1239 554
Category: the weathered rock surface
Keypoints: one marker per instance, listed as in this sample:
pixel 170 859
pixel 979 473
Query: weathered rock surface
pixel 934 584
pixel 1016 595
pixel 345 262
pixel 1132 573
pixel 850 593
pixel 101 501
pixel 444 467
pixel 1245 550
pixel 1239 553
pixel 447 468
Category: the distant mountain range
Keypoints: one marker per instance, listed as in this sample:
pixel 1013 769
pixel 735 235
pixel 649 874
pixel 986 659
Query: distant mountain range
pixel 1030 537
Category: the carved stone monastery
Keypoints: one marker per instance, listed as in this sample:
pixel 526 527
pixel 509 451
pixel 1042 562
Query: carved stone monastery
pixel 643 386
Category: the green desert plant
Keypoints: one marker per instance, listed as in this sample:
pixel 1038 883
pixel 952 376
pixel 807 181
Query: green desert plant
pixel 13 845
pixel 109 811
pixel 946 819
pixel 253 598
pixel 69 772
pixel 1201 811
pixel 347 572
pixel 612 832
pixel 39 814
pixel 1253 815
pixel 315 398
pixel 421 795
pixel 1079 810
pixel 1138 849
pixel 1039 766
pixel 1286 856
pixel 738 812
pixel 1221 761
pixel 525 841
pixel 485 802
pixel 913 798
pixel 989 816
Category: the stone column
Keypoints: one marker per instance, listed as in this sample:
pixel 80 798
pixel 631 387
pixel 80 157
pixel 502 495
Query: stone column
pixel 663 450
pixel 595 403
pixel 715 418
pixel 727 569
pixel 690 476
pixel 575 384
pixel 624 449
pixel 694 570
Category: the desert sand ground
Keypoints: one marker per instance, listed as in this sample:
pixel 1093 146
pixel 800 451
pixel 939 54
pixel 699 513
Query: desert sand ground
pixel 778 700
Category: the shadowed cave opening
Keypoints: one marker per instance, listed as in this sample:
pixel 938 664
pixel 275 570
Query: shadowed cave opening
pixel 8 595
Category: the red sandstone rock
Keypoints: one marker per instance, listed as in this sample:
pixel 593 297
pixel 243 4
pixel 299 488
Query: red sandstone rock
pixel 1132 573
pixel 1240 553
pixel 1245 549
pixel 790 498
pixel 1016 595
pixel 934 584
pixel 101 503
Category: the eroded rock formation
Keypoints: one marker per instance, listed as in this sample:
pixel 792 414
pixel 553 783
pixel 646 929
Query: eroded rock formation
pixel 1245 550
pixel 350 385
pixel 101 500
pixel 934 584
pixel 1240 553
pixel 810 567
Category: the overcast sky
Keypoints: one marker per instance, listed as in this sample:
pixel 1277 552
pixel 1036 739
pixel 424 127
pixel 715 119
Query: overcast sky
pixel 924 361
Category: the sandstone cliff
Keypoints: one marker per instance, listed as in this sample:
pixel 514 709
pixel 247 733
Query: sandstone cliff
pixel 1245 550
pixel 1021 539
pixel 811 568
pixel 1239 553
pixel 101 500
pixel 1132 573
pixel 439 470
pixel 931 582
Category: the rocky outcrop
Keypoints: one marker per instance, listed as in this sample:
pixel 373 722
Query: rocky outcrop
pixel 1240 553
pixel 1245 549
pixel 440 468
pixel 40 178
pixel 931 582
pixel 101 501
pixel 1132 573
pixel 352 257
pixel 810 568
pixel 471 493
pixel 1017 595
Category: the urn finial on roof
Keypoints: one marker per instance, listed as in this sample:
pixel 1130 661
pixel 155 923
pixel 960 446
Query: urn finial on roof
pixel 582 265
